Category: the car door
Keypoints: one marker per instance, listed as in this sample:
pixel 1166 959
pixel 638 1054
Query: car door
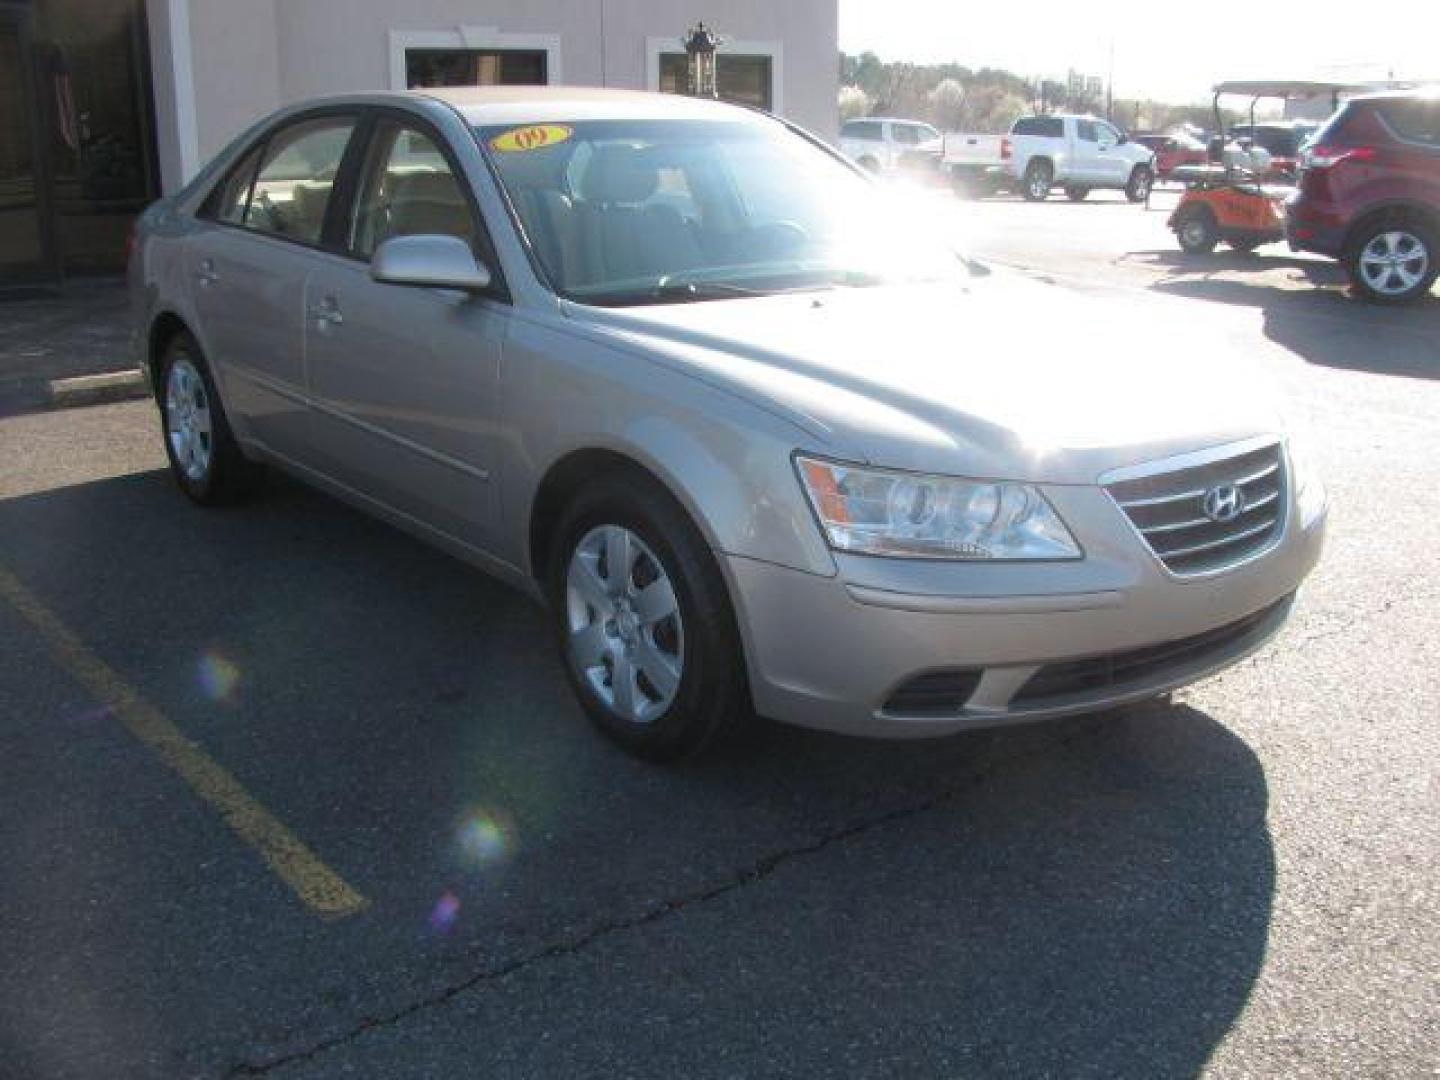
pixel 1112 164
pixel 404 380
pixel 259 237
pixel 1085 162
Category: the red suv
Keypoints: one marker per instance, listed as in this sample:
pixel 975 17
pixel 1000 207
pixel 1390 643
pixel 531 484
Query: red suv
pixel 1369 194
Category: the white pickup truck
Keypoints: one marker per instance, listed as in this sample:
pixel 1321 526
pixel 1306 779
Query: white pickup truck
pixel 1078 153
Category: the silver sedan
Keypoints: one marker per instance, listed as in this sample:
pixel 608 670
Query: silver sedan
pixel 755 438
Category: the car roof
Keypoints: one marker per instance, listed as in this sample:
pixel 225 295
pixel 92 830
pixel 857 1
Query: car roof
pixel 482 106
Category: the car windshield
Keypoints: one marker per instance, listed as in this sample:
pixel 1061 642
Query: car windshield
pixel 642 211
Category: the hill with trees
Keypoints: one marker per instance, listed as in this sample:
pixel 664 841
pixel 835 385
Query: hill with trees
pixel 955 97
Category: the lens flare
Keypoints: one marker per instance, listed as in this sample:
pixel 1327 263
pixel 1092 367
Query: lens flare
pixel 219 677
pixel 483 839
pixel 447 909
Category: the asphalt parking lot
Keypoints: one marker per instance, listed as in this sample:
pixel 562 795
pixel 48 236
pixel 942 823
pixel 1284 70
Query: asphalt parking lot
pixel 283 791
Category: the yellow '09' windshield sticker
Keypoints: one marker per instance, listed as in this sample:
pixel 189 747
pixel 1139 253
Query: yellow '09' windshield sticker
pixel 534 137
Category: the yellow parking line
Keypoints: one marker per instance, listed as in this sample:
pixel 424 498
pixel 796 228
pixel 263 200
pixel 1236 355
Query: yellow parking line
pixel 318 887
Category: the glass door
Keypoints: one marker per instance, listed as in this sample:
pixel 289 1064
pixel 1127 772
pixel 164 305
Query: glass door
pixel 27 249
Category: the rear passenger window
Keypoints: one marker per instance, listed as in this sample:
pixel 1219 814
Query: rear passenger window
pixel 293 188
pixel 1418 121
pixel 1045 127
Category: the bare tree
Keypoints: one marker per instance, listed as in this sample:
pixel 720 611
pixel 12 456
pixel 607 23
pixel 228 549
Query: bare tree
pixel 947 104
pixel 853 102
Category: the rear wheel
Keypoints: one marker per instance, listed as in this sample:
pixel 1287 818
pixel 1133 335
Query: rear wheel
pixel 204 457
pixel 870 165
pixel 644 621
pixel 1076 193
pixel 1197 233
pixel 1137 189
pixel 1038 177
pixel 1393 260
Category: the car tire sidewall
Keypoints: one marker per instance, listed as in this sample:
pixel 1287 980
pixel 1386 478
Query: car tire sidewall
pixel 710 695
pixel 1420 231
pixel 1202 218
pixel 1137 188
pixel 1036 173
pixel 225 468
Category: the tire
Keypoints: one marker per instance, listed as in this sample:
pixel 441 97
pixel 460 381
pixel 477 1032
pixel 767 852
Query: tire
pixel 1393 259
pixel 870 165
pixel 1038 177
pixel 686 673
pixel 1197 233
pixel 1075 193
pixel 204 457
pixel 1137 188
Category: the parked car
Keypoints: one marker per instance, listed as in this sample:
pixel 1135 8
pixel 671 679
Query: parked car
pixel 1080 153
pixel 1369 194
pixel 1281 139
pixel 677 370
pixel 1173 151
pixel 879 144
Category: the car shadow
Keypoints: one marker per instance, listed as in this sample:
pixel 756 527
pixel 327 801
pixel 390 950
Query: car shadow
pixel 1320 320
pixel 1091 896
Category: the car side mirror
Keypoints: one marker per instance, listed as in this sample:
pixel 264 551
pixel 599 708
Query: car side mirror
pixel 1123 139
pixel 429 261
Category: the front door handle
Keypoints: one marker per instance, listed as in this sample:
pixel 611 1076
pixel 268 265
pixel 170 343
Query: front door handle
pixel 326 313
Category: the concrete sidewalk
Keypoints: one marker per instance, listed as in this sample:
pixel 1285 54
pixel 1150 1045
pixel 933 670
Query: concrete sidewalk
pixel 47 336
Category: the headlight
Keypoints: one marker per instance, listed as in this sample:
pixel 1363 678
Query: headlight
pixel 1310 495
pixel 875 512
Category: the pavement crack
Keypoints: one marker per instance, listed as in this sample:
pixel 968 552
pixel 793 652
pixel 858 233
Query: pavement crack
pixel 748 875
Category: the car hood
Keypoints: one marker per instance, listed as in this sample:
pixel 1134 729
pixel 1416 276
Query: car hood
pixel 1004 379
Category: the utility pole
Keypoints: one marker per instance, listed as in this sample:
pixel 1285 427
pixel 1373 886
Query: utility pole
pixel 1110 85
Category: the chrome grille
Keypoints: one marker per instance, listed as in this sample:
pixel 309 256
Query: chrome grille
pixel 1169 510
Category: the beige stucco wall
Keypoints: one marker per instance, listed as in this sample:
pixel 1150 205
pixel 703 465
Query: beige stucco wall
pixel 246 57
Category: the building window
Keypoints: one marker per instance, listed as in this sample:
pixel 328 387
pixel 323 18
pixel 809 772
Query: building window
pixel 475 67
pixel 748 80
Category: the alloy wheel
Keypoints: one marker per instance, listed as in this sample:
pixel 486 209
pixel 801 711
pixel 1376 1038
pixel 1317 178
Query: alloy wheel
pixel 1394 262
pixel 188 424
pixel 626 637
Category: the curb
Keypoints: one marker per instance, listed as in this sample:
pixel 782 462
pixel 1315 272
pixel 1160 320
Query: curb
pixel 96 389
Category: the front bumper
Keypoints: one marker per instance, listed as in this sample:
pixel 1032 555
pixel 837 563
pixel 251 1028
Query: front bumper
pixel 832 652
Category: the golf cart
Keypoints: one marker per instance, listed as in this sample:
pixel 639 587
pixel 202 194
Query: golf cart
pixel 1228 200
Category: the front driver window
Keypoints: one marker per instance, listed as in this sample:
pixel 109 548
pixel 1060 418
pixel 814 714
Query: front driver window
pixel 408 189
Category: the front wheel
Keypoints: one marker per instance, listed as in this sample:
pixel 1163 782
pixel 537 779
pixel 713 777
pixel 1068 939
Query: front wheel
pixel 1137 189
pixel 1393 261
pixel 1197 233
pixel 643 620
pixel 1038 178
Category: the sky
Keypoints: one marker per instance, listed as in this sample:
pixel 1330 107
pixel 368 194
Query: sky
pixel 1167 50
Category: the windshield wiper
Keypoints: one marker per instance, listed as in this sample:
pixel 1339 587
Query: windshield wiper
pixel 677 292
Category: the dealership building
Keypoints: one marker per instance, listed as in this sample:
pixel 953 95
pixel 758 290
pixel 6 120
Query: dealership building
pixel 105 104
